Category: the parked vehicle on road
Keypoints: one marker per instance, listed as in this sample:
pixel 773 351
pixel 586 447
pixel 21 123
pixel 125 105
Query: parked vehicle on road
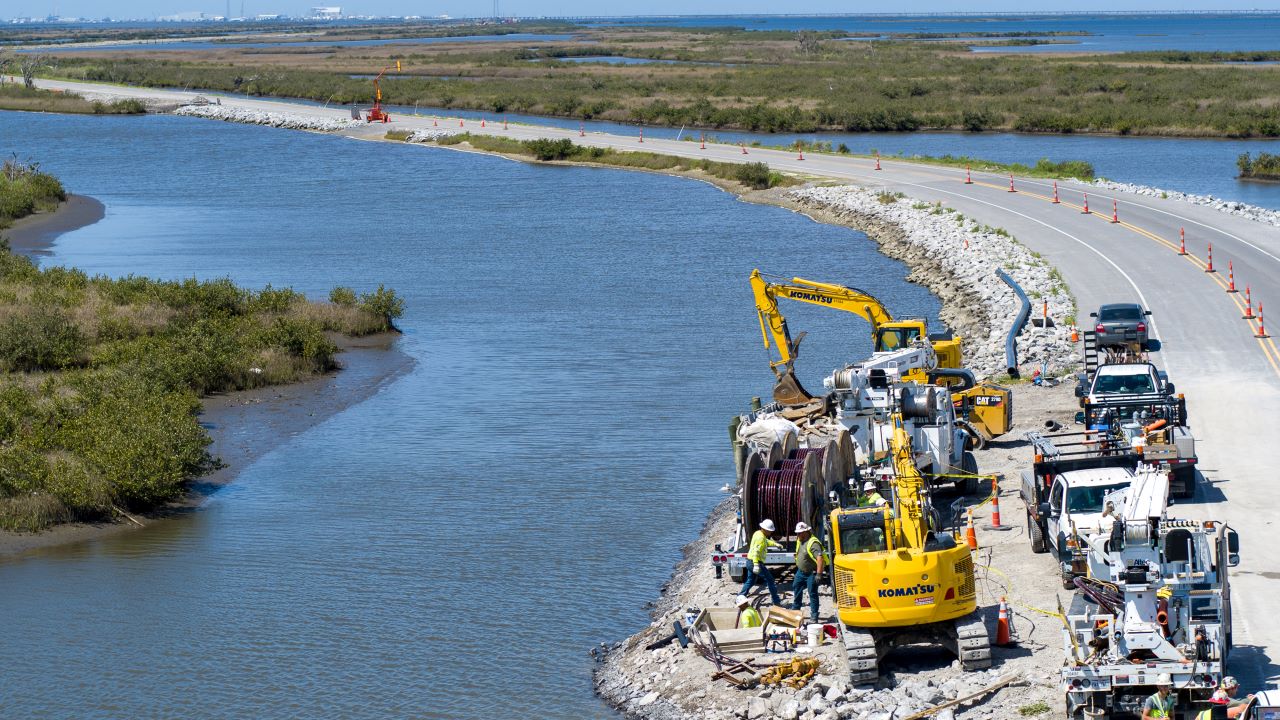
pixel 1121 324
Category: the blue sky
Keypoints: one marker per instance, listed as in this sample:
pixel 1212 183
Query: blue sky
pixel 460 8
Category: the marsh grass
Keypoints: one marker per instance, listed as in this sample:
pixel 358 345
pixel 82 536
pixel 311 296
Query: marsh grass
pixel 756 176
pixel 100 379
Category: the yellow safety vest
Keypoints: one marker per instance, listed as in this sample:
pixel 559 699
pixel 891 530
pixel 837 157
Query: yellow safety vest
pixel 1163 708
pixel 749 618
pixel 808 550
pixel 872 500
pixel 759 547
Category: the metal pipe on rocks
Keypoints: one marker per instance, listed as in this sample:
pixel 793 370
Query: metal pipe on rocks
pixel 1011 341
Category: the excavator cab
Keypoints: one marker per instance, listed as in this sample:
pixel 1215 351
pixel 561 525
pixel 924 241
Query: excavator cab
pixel 897 335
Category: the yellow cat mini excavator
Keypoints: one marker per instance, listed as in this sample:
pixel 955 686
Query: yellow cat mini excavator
pixel 899 578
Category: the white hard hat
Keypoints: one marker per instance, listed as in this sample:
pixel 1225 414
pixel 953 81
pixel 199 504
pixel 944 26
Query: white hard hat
pixel 768 525
pixel 1164 679
pixel 741 600
pixel 802 527
pixel 1230 682
pixel 868 485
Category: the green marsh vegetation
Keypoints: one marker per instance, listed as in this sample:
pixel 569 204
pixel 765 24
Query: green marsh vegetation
pixel 753 176
pixel 17 97
pixel 25 190
pixel 100 378
pixel 1263 167
pixel 763 81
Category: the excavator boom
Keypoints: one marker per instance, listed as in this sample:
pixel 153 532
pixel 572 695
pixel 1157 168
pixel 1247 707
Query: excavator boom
pixel 886 333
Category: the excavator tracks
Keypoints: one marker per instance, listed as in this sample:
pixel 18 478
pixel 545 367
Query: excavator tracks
pixel 973 643
pixel 860 648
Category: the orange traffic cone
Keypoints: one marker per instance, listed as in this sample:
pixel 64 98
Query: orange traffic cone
pixel 1248 304
pixel 1262 325
pixel 995 510
pixel 1209 268
pixel 1003 636
pixel 1075 334
pixel 1182 241
pixel 1231 277
pixel 1011 183
pixel 968 176
pixel 877 159
pixel 1056 201
pixel 971 536
pixel 1086 204
pixel 1115 211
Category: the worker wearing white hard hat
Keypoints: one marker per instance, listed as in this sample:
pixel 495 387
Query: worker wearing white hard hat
pixel 748 617
pixel 1160 705
pixel 810 562
pixel 871 496
pixel 757 553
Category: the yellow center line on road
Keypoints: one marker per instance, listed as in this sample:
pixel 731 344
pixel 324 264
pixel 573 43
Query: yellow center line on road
pixel 1269 349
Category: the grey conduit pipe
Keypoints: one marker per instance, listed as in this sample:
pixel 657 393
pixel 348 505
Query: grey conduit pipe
pixel 1011 341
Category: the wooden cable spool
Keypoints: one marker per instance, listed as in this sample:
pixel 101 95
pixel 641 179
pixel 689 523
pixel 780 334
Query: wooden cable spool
pixel 755 463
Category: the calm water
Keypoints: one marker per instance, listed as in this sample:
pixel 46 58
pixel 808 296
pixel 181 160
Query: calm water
pixel 452 547
pixel 1107 33
pixel 230 45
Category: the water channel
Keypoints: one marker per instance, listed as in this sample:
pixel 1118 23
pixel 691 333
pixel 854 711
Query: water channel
pixel 454 546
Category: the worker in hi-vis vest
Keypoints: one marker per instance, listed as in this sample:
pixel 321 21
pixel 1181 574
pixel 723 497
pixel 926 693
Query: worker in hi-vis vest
pixel 1160 705
pixel 871 497
pixel 810 562
pixel 748 617
pixel 756 553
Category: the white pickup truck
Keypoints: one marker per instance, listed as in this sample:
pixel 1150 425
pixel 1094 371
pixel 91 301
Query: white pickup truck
pixel 1065 500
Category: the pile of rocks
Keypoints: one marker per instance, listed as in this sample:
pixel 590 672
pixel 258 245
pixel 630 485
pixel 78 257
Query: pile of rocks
pixel 957 259
pixel 431 135
pixel 1231 207
pixel 288 121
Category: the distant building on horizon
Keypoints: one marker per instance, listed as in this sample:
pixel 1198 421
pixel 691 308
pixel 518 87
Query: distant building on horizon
pixel 326 13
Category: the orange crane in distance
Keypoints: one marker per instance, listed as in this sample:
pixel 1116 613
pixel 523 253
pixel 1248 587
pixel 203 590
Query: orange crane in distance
pixel 376 113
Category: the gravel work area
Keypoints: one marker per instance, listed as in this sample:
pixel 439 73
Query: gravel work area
pixel 672 683
pixel 957 258
pixel 287 121
pixel 1231 207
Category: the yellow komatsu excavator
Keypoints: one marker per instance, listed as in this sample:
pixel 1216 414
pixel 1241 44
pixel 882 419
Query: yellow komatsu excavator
pixel 899 579
pixel 987 408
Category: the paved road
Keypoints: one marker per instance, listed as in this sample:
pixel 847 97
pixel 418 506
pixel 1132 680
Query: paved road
pixel 1231 378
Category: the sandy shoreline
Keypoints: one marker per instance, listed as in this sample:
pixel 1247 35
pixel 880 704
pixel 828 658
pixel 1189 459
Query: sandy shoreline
pixel 244 425
pixel 33 235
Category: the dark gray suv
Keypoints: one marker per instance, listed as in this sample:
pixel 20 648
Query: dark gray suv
pixel 1121 324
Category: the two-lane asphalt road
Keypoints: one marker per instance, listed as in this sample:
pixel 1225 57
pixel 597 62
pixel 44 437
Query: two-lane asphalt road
pixel 1230 377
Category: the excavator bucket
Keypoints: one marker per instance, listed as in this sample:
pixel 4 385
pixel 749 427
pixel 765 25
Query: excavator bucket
pixel 788 390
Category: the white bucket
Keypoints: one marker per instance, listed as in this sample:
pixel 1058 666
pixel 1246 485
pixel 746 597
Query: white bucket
pixel 815 635
pixel 1094 714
